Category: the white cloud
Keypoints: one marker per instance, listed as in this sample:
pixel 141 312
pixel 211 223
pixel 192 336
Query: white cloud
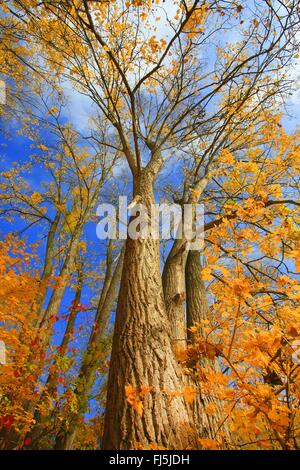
pixel 294 75
pixel 2 92
pixel 79 109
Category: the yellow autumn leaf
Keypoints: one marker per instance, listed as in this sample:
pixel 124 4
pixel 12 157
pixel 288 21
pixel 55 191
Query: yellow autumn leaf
pixel 211 409
pixel 36 198
pixel 189 394
pixel 42 147
pixel 193 329
pixel 206 274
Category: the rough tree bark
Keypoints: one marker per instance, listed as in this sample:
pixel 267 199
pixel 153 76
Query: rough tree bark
pixel 197 308
pixel 173 277
pixel 142 353
pixel 173 280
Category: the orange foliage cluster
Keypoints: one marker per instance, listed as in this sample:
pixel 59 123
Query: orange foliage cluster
pixel 18 290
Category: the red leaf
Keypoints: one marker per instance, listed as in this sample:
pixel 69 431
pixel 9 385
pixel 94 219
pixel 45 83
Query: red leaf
pixel 7 422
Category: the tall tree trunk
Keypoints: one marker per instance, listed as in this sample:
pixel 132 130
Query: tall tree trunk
pixel 173 280
pixel 209 426
pixel 197 308
pixel 142 354
pixel 66 270
pixel 174 271
pixel 48 265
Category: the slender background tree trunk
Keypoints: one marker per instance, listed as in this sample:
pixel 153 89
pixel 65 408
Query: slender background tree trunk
pixel 208 425
pixel 86 375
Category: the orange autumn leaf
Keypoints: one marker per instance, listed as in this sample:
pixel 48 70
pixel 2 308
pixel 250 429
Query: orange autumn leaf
pixel 190 394
pixel 208 444
pixel 134 397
